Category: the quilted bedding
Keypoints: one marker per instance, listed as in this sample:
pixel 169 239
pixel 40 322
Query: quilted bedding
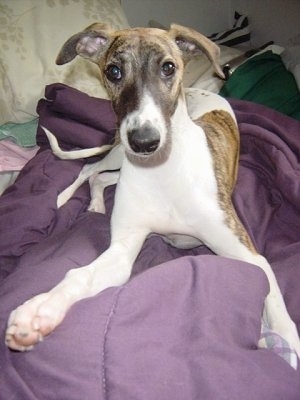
pixel 186 326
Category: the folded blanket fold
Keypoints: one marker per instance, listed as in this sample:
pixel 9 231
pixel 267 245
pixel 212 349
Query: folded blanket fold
pixel 76 118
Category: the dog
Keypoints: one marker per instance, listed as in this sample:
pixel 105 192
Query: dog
pixel 178 168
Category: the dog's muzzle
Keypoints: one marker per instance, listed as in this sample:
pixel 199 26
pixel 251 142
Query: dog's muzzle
pixel 144 140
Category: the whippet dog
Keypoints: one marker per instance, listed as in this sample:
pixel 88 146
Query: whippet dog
pixel 178 168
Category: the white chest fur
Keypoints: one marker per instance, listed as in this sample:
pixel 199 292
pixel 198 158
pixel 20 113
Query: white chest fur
pixel 165 197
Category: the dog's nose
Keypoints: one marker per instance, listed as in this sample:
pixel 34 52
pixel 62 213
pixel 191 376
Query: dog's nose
pixel 144 140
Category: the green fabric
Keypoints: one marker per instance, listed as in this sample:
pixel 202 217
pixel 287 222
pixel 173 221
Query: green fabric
pixel 264 79
pixel 22 134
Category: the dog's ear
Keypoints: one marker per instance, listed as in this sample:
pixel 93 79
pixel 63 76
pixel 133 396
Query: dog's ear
pixel 192 43
pixel 90 43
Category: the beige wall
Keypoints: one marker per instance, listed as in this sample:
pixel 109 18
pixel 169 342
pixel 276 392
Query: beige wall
pixel 277 20
pixel 206 16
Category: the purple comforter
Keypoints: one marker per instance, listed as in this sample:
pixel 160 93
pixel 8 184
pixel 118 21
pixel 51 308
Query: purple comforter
pixel 186 328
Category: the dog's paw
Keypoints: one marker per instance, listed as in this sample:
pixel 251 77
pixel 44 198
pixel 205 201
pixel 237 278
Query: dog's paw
pixel 293 339
pixel 97 206
pixel 32 321
pixel 289 333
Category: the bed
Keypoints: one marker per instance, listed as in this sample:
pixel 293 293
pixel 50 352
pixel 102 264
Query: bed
pixel 188 323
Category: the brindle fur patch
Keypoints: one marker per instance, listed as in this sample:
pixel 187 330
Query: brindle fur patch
pixel 223 140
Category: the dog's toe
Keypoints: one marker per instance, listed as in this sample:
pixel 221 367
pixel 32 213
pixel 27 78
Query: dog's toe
pixel 97 206
pixel 21 339
pixel 32 321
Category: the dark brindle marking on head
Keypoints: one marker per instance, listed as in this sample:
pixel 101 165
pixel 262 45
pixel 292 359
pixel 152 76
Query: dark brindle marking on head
pixel 141 58
pixel 143 62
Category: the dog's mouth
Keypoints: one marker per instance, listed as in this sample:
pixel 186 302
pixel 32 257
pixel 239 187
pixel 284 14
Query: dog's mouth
pixel 144 153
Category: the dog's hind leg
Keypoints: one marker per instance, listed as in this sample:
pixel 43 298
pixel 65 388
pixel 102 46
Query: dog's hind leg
pixel 111 162
pixel 230 239
pixel 98 183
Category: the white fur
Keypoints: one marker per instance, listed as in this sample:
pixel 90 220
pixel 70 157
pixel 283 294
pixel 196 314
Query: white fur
pixel 200 101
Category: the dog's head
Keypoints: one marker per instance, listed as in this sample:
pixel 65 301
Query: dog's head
pixel 142 70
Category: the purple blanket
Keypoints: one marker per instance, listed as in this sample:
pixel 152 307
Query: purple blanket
pixel 186 326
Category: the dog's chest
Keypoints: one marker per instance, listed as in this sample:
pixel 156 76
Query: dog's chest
pixel 173 196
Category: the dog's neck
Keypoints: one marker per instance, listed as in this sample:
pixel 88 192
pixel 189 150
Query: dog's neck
pixel 183 130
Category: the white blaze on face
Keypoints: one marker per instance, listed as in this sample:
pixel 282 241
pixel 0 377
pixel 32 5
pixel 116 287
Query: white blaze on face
pixel 149 112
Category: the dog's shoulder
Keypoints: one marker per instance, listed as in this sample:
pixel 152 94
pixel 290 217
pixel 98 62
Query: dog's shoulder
pixel 223 140
pixel 219 123
pixel 200 102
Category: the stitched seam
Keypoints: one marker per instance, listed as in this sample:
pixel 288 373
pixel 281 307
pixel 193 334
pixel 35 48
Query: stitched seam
pixel 107 327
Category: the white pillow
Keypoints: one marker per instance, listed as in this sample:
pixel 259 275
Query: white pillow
pixel 200 74
pixel 32 33
pixel 291 59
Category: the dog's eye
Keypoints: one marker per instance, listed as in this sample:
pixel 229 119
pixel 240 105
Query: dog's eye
pixel 113 73
pixel 168 69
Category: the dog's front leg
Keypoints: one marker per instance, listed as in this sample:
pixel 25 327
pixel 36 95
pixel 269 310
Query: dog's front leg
pixel 39 316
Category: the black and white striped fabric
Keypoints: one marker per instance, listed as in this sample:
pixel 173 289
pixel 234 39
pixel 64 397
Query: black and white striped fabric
pixel 240 32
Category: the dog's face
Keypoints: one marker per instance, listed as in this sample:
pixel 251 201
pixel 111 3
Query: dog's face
pixel 142 70
pixel 143 78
